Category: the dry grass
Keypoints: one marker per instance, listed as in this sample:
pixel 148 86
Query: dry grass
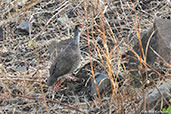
pixel 108 25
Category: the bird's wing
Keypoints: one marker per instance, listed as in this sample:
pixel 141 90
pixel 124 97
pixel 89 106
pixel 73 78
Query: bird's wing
pixel 60 66
pixel 63 63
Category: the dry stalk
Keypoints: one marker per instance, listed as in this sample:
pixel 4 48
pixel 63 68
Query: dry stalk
pixel 91 65
pixel 110 69
pixel 62 7
pixel 48 100
pixel 40 79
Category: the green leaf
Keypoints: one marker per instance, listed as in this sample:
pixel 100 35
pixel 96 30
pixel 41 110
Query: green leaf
pixel 169 110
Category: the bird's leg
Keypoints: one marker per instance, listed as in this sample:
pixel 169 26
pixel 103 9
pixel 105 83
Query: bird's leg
pixel 57 86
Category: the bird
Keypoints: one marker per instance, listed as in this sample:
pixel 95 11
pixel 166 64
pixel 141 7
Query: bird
pixel 67 60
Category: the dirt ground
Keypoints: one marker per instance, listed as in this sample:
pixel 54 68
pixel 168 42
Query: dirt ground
pixel 24 56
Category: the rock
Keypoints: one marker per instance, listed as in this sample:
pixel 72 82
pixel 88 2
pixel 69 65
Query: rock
pixel 133 64
pixel 163 36
pixel 151 57
pixel 160 42
pixel 154 97
pixel 25 26
pixel 102 81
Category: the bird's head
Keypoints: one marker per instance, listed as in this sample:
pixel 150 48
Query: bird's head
pixel 78 27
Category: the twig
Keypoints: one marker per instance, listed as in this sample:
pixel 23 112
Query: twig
pixel 48 100
pixel 19 79
pixel 58 11
pixel 165 62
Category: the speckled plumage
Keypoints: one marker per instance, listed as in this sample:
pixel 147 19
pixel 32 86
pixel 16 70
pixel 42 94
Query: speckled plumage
pixel 66 61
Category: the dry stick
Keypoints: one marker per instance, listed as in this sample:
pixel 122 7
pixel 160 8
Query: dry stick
pixel 148 42
pixel 116 43
pixel 143 61
pixel 137 28
pixel 58 11
pixel 90 102
pixel 149 67
pixel 38 73
pixel 165 62
pixel 147 64
pixel 5 74
pixel 28 5
pixel 117 47
pixel 92 71
pixel 98 49
pixel 161 94
pixel 96 45
pixel 145 58
pixel 48 100
pixel 147 45
pixel 19 79
pixel 110 73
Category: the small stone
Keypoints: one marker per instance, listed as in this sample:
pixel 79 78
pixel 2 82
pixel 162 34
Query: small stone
pixel 154 96
pixel 25 26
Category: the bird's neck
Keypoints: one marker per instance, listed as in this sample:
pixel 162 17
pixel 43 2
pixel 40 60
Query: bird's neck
pixel 76 37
